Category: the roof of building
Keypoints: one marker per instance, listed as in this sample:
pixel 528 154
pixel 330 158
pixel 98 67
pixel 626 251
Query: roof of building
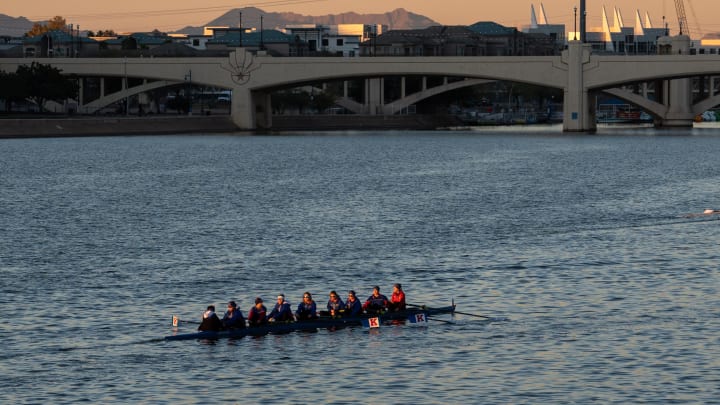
pixel 491 28
pixel 141 38
pixel 232 38
pixel 58 37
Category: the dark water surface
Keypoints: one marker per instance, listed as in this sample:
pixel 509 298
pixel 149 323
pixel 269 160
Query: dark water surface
pixel 581 242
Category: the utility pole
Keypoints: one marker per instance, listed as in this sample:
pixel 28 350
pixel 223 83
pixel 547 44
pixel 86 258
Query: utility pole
pixel 262 44
pixel 583 13
pixel 240 29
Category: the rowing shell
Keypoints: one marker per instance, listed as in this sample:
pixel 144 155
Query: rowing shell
pixel 414 315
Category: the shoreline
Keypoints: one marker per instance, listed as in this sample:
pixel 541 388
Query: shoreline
pixel 107 126
pixel 182 124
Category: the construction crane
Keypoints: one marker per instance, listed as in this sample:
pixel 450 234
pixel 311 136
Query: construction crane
pixel 682 18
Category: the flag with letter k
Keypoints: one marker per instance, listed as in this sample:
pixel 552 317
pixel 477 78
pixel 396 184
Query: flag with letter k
pixel 418 318
pixel 371 322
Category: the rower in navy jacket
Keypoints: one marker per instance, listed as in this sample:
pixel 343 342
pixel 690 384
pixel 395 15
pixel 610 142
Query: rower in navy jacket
pixel 282 311
pixel 376 303
pixel 307 309
pixel 334 304
pixel 353 307
pixel 233 318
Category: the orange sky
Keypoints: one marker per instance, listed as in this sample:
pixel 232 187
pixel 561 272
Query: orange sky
pixel 169 15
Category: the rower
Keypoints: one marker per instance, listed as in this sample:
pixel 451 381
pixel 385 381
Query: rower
pixel 233 318
pixel 352 305
pixel 397 299
pixel 376 303
pixel 307 309
pixel 282 311
pixel 334 304
pixel 257 315
pixel 210 321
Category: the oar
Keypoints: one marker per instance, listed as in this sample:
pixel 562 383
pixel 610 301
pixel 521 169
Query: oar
pixel 177 321
pixel 439 320
pixel 454 312
pixel 465 313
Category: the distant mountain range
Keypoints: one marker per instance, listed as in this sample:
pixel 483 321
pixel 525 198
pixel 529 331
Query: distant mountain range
pixel 14 27
pixel 396 19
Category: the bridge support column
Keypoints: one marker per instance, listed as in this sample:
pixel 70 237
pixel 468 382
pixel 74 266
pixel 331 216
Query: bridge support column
pixel 577 109
pixel 81 95
pixel 679 101
pixel 242 111
pixel 374 95
pixel 262 104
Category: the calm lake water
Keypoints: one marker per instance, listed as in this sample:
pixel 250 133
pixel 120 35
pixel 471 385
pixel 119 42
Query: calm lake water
pixel 601 289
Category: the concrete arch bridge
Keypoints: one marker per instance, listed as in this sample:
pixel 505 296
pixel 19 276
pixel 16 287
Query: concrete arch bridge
pixel 252 78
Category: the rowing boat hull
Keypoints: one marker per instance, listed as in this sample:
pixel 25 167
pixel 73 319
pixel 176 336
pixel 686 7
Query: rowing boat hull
pixel 312 325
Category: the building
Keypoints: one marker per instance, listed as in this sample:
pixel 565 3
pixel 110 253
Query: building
pixel 274 42
pixel 59 44
pixel 337 40
pixel 479 39
pixel 615 38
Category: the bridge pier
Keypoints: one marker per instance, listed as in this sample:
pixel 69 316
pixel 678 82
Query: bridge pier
pixel 678 94
pixel 679 105
pixel 251 110
pixel 578 111
pixel 374 95
pixel 242 111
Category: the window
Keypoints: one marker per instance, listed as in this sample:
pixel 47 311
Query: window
pixel 325 42
pixel 340 42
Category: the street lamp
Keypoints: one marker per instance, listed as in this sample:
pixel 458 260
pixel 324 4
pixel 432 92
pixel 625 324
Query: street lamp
pixel 575 29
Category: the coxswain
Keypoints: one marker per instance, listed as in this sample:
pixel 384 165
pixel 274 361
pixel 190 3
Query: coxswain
pixel 376 303
pixel 210 321
pixel 397 299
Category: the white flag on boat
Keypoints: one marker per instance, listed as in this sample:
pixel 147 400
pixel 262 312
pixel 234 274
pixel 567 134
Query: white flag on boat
pixel 371 322
pixel 418 318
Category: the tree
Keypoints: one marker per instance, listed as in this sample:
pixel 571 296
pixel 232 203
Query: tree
pixel 57 23
pixel 11 89
pixel 44 83
pixel 129 43
pixel 101 33
pixel 322 101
